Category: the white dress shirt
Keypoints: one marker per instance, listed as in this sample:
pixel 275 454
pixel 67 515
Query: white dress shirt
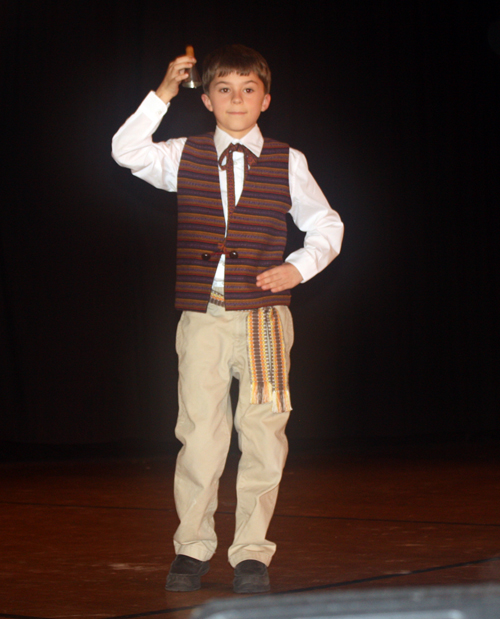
pixel 158 164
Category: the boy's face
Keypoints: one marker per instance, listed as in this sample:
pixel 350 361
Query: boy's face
pixel 237 101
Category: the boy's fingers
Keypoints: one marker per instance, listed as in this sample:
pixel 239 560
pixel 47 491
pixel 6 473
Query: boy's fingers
pixel 280 278
pixel 181 62
pixel 176 73
pixel 180 68
pixel 266 277
pixel 187 61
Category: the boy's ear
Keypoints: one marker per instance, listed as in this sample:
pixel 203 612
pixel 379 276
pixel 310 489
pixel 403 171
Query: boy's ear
pixel 206 100
pixel 266 103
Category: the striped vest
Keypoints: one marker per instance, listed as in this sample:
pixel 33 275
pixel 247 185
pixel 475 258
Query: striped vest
pixel 256 233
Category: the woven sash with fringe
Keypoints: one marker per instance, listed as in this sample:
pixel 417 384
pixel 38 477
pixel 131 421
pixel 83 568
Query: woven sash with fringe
pixel 267 359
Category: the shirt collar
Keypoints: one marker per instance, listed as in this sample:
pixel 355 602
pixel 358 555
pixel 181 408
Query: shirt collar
pixel 253 140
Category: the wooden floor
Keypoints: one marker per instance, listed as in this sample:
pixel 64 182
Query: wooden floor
pixel 93 538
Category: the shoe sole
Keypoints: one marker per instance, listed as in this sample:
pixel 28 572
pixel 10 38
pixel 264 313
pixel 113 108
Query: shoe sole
pixel 185 582
pixel 251 584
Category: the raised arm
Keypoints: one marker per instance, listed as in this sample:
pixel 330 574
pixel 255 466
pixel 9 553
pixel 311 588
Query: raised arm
pixel 132 147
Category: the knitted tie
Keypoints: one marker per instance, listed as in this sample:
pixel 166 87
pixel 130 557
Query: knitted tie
pixel 250 159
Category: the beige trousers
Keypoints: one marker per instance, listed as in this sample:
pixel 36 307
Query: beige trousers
pixel 212 349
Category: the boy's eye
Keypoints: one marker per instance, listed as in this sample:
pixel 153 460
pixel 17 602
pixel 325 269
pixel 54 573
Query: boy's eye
pixel 224 90
pixel 248 89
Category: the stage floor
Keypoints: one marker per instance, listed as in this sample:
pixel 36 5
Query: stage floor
pixel 93 538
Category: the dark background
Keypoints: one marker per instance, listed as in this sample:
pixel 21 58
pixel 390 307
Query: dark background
pixel 396 105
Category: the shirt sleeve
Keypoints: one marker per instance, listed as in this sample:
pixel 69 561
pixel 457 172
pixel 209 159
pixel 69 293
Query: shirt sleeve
pixel 132 147
pixel 313 215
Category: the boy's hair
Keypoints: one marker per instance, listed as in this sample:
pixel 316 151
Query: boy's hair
pixel 235 59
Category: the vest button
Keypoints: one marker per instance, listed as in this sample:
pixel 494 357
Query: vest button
pixel 233 254
pixel 205 256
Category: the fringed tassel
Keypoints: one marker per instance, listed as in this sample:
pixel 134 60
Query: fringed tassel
pixel 261 393
pixel 281 401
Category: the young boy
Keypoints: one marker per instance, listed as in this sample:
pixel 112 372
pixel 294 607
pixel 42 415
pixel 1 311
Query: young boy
pixel 234 190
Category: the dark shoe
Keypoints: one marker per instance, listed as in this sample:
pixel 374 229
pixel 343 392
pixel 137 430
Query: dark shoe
pixel 185 574
pixel 251 576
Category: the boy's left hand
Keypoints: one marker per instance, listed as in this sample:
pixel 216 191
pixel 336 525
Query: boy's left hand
pixel 280 278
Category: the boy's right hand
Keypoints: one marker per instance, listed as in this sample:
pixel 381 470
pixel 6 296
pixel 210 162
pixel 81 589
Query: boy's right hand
pixel 176 74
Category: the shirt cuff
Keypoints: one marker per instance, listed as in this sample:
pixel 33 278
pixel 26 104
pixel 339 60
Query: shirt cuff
pixel 304 263
pixel 153 107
